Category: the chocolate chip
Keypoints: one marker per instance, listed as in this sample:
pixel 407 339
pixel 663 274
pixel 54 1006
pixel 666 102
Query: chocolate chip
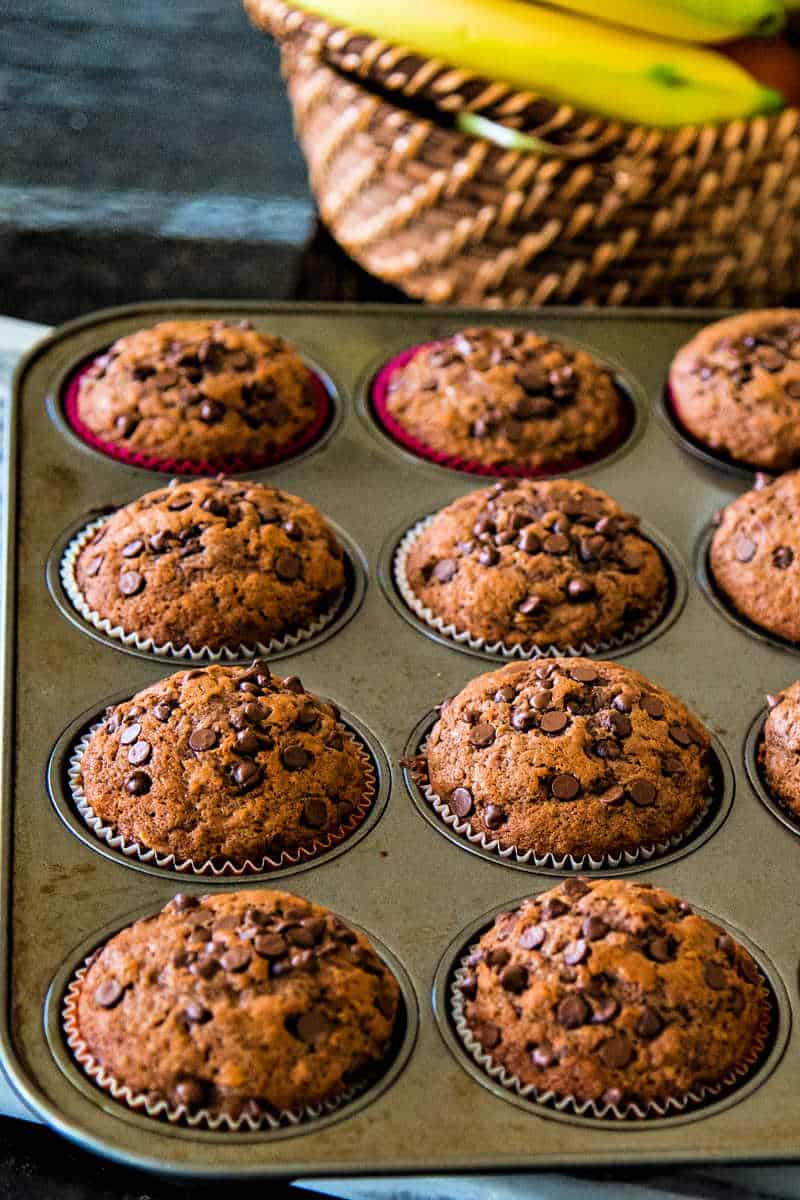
pixel 505 695
pixel 580 589
pixel 652 706
pixel 444 570
pixel 770 358
pixel 293 530
pixel 621 725
pixel 139 753
pixel 461 802
pixel 642 792
pixel 681 735
pixel 556 543
pixel 293 683
pixel 482 735
pixel 295 757
pixel 792 390
pixel 203 739
pixel 594 928
pixel 514 979
pixel 315 812
pixel 139 783
pixel 159 542
pixel 196 1013
pixel 544 1056
pixel 605 1010
pixel 246 774
pixel 236 959
pixel 254 711
pixel 129 734
pixel 469 987
pixel 287 566
pixel 575 888
pixel 162 711
pixel 576 952
pixel 565 787
pixel 217 508
pixel 649 1024
pixel 745 549
pixel 498 956
pixel 522 720
pixel 529 542
pixel 532 937
pixel 95 565
pixel 270 945
pixel 248 742
pixel 179 503
pixel 532 378
pixel 211 411
pixel 133 548
pixel 488 557
pixel 493 816
pixel 616 1053
pixel 205 968
pixel 109 993
pixel 623 701
pixel 782 557
pixel 313 1026
pixel 714 976
pixel 584 674
pixel 530 605
pixel 553 907
pixel 489 1035
pixel 542 699
pixel 572 1012
pixel 555 722
pixel 131 583
pixel 659 950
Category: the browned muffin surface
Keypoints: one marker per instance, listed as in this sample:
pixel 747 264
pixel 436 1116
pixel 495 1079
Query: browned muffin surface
pixel 569 756
pixel 779 753
pixel 238 1002
pixel 755 555
pixel 212 563
pixel 736 387
pixel 201 390
pixel 537 563
pixel 613 991
pixel 224 763
pixel 506 397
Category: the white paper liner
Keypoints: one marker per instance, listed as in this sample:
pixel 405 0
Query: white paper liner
pixel 463 638
pixel 180 1114
pixel 672 1106
pixel 585 862
pixel 116 841
pixel 187 653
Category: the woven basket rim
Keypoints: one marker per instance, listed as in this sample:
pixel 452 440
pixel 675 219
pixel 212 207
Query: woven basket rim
pixel 440 82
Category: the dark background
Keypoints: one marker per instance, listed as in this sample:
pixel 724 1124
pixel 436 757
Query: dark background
pixel 146 151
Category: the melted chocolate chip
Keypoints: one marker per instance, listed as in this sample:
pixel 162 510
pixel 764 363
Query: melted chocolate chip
pixel 572 1012
pixel 109 993
pixel 461 802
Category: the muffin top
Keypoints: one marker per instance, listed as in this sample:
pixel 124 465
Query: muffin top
pixel 537 563
pixel 569 756
pixel 198 390
pixel 227 763
pixel 779 752
pixel 212 563
pixel 238 1002
pixel 755 554
pixel 613 991
pixel 506 397
pixel 736 387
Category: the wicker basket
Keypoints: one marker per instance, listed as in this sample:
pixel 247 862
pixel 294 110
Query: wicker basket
pixel 618 214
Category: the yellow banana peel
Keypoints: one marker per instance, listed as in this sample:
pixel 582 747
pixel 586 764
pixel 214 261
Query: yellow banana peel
pixel 687 20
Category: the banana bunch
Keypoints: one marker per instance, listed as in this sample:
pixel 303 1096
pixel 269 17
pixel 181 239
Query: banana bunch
pixel 634 60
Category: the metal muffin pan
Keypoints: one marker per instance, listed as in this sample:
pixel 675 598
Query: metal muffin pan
pixel 411 888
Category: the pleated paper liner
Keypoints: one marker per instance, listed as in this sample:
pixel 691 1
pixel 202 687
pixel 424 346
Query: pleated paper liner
pixel 186 653
pixel 630 1111
pixel 754 765
pixel 462 637
pixel 558 466
pixel 160 1109
pixel 225 465
pixel 218 867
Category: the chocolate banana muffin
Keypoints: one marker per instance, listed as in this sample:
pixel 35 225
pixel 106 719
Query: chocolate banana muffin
pixel 569 757
pixel 225 764
pixel 243 1003
pixel 212 563
pixel 755 555
pixel 614 992
pixel 537 563
pixel 202 390
pixel 736 388
pixel 507 397
pixel 779 751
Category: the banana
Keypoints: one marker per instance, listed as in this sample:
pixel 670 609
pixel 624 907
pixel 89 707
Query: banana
pixel 687 20
pixel 613 71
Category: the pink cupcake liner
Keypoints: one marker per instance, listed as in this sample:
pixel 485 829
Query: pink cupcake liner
pixel 672 1106
pixel 231 465
pixel 160 1109
pixel 379 400
pixel 217 867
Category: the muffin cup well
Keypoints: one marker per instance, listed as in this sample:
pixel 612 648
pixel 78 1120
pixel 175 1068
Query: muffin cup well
pixel 714 811
pixel 758 778
pixel 160 1109
pixel 600 1110
pixel 225 465
pixel 669 606
pixel 187 653
pixel 218 867
pixel 379 394
pixel 669 411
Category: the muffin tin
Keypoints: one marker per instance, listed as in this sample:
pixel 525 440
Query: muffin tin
pixel 419 894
